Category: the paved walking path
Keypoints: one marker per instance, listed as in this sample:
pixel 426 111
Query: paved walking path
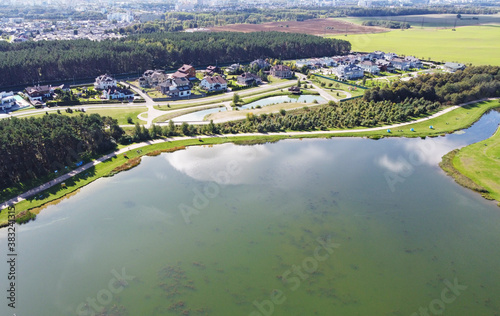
pixel 74 172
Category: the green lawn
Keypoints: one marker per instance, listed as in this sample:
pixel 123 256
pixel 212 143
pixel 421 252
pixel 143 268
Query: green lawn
pixel 478 45
pixel 354 91
pixel 120 114
pixel 480 162
pixel 432 20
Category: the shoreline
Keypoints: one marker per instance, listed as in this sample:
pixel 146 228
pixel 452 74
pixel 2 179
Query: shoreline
pixel 106 164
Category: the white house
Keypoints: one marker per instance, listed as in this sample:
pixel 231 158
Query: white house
pixel 400 64
pixel 117 93
pixel 389 56
pixel 216 83
pixel 7 99
pixel 260 63
pixel 414 62
pixel 304 62
pixel 370 67
pixel 452 67
pixel 348 72
pixel 104 82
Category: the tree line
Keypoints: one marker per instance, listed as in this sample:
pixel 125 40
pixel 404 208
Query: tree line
pixel 473 83
pixel 33 148
pixel 388 24
pixel 32 62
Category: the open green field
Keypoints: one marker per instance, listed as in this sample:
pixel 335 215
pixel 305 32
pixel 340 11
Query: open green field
pixel 432 20
pixel 120 114
pixel 478 45
pixel 480 162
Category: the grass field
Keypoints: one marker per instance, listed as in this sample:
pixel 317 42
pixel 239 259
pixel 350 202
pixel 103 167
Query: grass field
pixel 120 114
pixel 478 45
pixel 432 20
pixel 480 162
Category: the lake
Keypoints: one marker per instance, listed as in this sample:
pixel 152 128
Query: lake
pixel 342 226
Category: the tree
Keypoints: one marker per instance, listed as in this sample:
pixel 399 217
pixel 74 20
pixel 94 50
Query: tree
pixel 236 99
pixel 185 128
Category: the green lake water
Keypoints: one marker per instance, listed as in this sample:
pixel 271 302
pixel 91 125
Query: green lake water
pixel 221 230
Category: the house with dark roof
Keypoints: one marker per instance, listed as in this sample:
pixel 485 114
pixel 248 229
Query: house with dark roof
pixel 176 87
pixel 211 70
pixel 248 78
pixel 215 83
pixel 281 71
pixel 39 93
pixel 152 78
pixel 186 71
pixel 384 65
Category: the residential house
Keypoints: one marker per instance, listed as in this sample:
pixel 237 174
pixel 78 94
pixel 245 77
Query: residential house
pixel 389 56
pixel 281 71
pixel 414 62
pixel 452 67
pixel 186 71
pixel 327 62
pixel 233 68
pixel 259 63
pixel 304 62
pixel 39 93
pixel 348 72
pixel 152 78
pixel 176 87
pixel 104 82
pixel 400 64
pixel 384 65
pixel 215 83
pixel 115 93
pixel 378 54
pixel 248 79
pixel 7 99
pixel 370 67
pixel 211 70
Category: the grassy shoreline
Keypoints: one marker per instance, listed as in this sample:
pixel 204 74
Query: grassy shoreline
pixel 479 163
pixel 457 119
